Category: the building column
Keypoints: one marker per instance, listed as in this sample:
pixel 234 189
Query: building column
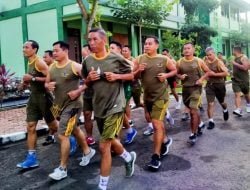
pixel 134 41
pixel 24 30
pixel 60 27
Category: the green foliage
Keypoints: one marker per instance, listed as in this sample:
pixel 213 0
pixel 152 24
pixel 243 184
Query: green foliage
pixel 143 12
pixel 200 33
pixel 196 7
pixel 5 76
pixel 175 43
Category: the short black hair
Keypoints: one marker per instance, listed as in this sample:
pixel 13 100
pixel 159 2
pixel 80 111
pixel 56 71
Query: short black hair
pixel 49 52
pixel 165 49
pixel 127 46
pixel 86 45
pixel 191 43
pixel 62 44
pixel 118 44
pixel 155 39
pixel 34 44
pixel 237 48
pixel 100 31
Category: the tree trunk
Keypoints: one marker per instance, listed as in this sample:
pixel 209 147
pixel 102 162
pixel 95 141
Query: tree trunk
pixel 92 15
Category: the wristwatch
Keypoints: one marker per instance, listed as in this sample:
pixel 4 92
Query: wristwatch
pixel 33 79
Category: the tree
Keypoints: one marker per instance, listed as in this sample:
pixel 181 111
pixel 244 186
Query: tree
pixel 198 7
pixel 92 17
pixel 142 12
pixel 201 30
pixel 174 43
pixel 201 34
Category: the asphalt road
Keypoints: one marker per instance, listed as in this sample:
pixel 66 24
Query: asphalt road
pixel 219 161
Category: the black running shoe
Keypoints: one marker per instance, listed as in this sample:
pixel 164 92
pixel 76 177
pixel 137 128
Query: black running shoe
pixel 199 131
pixel 192 140
pixel 226 115
pixel 211 125
pixel 49 140
pixel 165 147
pixel 155 162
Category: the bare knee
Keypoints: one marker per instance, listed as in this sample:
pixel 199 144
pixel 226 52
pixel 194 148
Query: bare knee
pixel 31 127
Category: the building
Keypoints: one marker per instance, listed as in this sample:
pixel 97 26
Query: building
pixel 47 21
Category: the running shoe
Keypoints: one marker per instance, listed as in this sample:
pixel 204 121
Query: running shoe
pixel 49 140
pixel 130 166
pixel 29 162
pixel 238 112
pixel 58 173
pixel 155 162
pixel 165 147
pixel 130 136
pixel 86 158
pixel 149 131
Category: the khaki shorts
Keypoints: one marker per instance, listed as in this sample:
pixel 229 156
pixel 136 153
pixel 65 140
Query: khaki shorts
pixel 38 107
pixel 240 86
pixel 156 109
pixel 217 90
pixel 110 126
pixel 68 120
pixel 87 104
pixel 192 96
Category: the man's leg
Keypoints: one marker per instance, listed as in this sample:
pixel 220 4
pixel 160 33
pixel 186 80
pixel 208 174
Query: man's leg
pixel 159 135
pixel 88 124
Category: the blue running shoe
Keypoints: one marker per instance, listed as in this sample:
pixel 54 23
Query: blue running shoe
pixel 29 162
pixel 130 137
pixel 73 145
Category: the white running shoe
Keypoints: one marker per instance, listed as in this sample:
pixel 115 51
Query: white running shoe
pixel 86 158
pixel 148 131
pixel 248 108
pixel 238 112
pixel 58 174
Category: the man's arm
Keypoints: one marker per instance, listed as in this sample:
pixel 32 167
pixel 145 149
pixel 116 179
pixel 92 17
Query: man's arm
pixel 42 67
pixel 245 64
pixel 171 68
pixel 205 69
pixel 224 71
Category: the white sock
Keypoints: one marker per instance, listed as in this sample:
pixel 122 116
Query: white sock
pixel 126 156
pixel 225 110
pixel 31 151
pixel 103 183
pixel 168 114
pixel 129 130
pixel 150 125
pixel 201 123
pixel 211 119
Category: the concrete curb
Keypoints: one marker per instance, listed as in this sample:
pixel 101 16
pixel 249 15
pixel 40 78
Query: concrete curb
pixel 19 136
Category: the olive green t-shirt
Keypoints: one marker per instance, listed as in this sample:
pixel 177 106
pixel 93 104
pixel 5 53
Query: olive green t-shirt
pixel 36 86
pixel 192 69
pixel 108 97
pixel 215 66
pixel 153 88
pixel 240 75
pixel 66 80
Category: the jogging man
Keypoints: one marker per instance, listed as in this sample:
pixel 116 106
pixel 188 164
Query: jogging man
pixel 190 70
pixel 154 69
pixel 215 87
pixel 87 103
pixel 49 60
pixel 240 80
pixel 131 132
pixel 63 80
pixel 105 72
pixel 38 106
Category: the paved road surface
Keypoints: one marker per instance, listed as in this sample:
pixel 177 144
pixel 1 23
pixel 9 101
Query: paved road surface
pixel 219 161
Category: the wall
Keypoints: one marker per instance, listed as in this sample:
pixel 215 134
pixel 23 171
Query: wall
pixel 11 42
pixel 42 29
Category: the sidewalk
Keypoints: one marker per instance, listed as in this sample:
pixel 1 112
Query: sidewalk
pixel 13 125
